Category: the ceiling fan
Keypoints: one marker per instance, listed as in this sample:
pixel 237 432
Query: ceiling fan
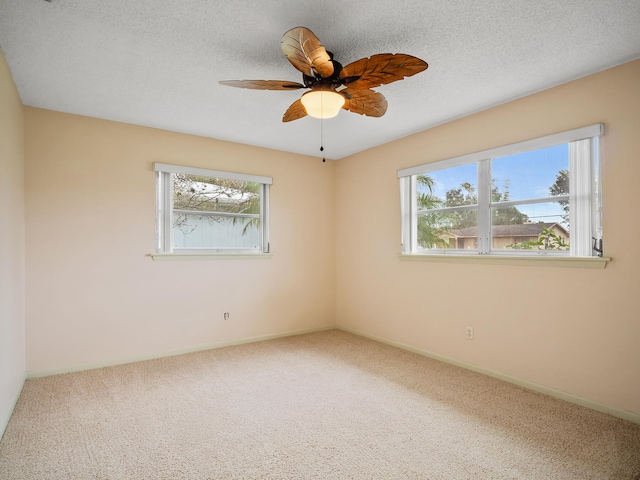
pixel 333 86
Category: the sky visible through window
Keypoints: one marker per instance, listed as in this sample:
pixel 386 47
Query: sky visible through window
pixel 526 175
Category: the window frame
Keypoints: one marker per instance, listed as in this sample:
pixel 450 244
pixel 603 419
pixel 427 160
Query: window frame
pixel 585 196
pixel 164 210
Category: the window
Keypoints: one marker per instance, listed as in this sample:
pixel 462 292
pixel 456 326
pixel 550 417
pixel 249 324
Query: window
pixel 209 211
pixel 539 197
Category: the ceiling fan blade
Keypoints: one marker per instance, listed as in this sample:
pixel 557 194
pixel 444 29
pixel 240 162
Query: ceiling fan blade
pixel 263 84
pixel 303 49
pixel 364 102
pixel 294 112
pixel 381 69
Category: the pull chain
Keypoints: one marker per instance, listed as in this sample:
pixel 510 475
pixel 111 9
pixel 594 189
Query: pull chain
pixel 322 139
pixel 321 128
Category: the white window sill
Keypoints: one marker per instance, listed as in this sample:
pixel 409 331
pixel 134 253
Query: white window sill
pixel 533 261
pixel 208 256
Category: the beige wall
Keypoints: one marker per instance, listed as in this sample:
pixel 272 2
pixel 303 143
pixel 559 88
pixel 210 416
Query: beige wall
pixel 12 287
pixel 580 338
pixel 96 297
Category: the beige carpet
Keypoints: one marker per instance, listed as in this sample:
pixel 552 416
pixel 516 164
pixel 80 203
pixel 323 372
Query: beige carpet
pixel 328 405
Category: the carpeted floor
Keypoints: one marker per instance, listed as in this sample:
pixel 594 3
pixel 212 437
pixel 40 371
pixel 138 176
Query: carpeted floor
pixel 327 405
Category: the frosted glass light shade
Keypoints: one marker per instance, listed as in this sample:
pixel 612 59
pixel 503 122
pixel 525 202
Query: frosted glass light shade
pixel 322 103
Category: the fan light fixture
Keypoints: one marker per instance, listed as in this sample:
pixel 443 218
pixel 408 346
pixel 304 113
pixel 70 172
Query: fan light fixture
pixel 322 103
pixel 334 87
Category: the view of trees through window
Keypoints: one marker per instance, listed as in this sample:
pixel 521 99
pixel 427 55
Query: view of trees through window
pixel 215 212
pixel 526 217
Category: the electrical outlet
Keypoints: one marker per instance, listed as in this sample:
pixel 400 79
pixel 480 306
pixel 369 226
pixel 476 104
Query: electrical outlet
pixel 226 315
pixel 469 333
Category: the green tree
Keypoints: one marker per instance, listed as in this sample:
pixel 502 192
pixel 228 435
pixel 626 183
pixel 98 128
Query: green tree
pixel 505 215
pixel 432 225
pixel 466 194
pixel 561 187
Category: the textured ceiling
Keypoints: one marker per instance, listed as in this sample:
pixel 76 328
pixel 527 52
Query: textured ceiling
pixel 158 62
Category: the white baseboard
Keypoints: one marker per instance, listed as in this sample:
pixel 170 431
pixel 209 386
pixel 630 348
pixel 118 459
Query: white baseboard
pixel 584 402
pixel 197 348
pixel 5 420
